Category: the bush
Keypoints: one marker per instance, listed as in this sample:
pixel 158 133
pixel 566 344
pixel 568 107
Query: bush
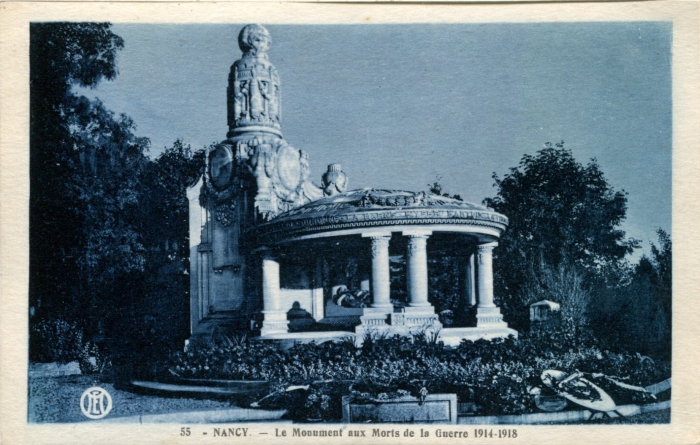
pixel 495 375
pixel 55 340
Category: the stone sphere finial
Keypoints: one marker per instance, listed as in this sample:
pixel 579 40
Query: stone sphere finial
pixel 254 40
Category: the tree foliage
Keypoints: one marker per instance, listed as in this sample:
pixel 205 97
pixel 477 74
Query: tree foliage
pixel 638 315
pixel 85 165
pixel 561 213
pixel 108 225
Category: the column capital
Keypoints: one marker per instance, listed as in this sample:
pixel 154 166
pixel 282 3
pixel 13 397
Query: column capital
pixel 487 247
pixel 376 234
pixel 379 244
pixel 267 253
pixel 417 233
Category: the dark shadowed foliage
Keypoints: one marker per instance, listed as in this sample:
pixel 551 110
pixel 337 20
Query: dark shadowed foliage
pixel 108 225
pixel 562 213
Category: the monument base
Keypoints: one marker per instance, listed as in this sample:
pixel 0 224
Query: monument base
pixel 454 336
pixel 288 339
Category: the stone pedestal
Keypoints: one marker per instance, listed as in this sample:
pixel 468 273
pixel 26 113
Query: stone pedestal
pixel 275 318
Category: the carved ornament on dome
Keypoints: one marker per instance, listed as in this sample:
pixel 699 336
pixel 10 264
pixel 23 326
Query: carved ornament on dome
pixel 390 198
pixel 335 181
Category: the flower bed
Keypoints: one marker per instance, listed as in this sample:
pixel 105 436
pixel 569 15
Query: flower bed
pixel 496 376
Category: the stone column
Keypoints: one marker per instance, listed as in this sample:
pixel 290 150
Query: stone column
pixel 417 270
pixel 487 313
pixel 381 280
pixel 317 306
pixel 469 288
pixel 485 270
pixel 275 318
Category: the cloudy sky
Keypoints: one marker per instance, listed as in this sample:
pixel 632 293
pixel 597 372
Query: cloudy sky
pixel 400 105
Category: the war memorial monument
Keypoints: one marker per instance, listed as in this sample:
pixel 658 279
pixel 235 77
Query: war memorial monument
pixel 264 236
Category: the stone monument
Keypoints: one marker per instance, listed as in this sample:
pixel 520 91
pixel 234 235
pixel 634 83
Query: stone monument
pixel 262 235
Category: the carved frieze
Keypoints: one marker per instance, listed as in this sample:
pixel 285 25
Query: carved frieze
pixel 345 211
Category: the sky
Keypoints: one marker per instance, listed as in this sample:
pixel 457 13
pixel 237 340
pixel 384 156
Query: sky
pixel 399 106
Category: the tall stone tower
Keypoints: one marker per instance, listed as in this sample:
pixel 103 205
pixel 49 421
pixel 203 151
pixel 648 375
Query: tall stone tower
pixel 250 177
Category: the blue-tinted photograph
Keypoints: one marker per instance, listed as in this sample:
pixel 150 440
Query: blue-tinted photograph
pixel 461 224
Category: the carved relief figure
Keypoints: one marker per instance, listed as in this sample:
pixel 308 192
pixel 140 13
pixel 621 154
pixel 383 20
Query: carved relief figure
pixel 274 102
pixel 240 95
pixel 256 101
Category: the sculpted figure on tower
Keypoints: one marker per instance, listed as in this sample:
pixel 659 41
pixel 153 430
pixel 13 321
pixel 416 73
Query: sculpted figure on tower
pixel 254 85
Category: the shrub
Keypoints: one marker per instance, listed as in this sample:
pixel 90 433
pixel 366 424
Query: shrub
pixel 495 375
pixel 55 340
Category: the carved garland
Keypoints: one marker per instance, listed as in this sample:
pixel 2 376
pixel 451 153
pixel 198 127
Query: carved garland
pixel 225 213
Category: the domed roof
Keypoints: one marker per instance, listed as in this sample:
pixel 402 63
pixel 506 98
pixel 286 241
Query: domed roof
pixel 372 208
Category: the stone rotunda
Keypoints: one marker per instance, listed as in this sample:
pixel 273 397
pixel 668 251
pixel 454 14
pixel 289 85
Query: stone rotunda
pixel 275 254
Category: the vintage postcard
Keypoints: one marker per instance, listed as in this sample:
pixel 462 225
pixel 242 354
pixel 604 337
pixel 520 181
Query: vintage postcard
pixel 305 223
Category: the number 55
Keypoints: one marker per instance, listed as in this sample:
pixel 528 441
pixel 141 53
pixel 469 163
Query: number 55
pixel 185 431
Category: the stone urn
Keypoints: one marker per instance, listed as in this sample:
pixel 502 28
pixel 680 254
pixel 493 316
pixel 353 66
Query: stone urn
pixel 334 180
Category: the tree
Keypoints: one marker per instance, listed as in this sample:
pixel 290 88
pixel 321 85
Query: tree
pixel 637 316
pixel 165 227
pixel 561 211
pixel 109 249
pixel 86 166
pixel 61 55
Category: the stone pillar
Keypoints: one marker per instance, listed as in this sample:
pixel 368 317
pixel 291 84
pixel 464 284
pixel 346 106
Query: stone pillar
pixel 375 317
pixel 317 303
pixel 381 280
pixel 469 288
pixel 419 314
pixel 417 270
pixel 485 270
pixel 275 318
pixel 487 313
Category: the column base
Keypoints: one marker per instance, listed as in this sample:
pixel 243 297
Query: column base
pixel 373 317
pixel 417 316
pixel 274 323
pixel 489 316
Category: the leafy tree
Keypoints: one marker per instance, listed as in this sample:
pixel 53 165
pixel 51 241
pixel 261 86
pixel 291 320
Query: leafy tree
pixel 637 316
pixel 109 242
pixel 165 228
pixel 560 211
pixel 86 166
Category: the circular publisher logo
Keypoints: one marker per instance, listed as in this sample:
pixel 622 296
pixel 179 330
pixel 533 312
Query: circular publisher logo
pixel 95 402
